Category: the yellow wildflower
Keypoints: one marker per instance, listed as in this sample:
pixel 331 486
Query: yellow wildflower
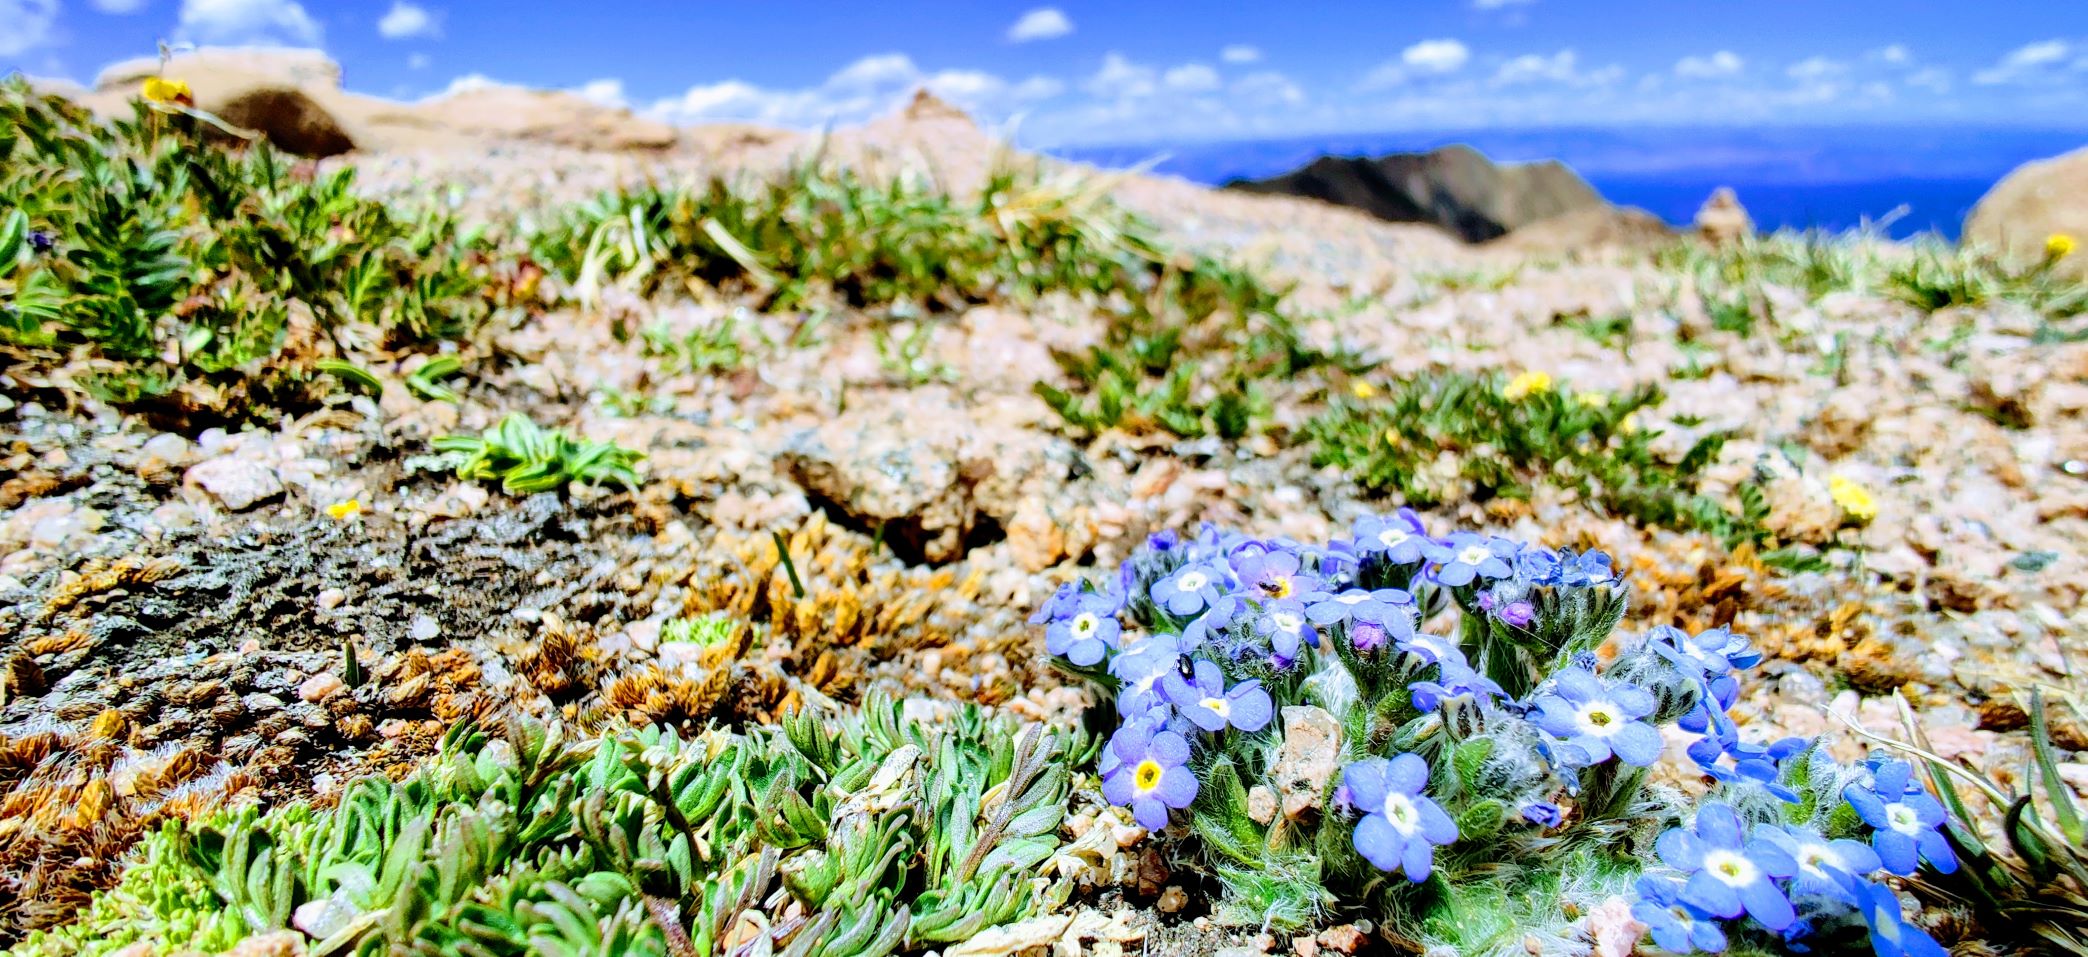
pixel 1392 438
pixel 2060 246
pixel 1527 384
pixel 1592 400
pixel 344 510
pixel 1856 501
pixel 159 89
pixel 1362 390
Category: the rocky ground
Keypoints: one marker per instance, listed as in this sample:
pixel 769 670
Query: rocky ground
pixel 192 597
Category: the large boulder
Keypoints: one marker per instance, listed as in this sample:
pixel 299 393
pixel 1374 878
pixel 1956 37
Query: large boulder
pixel 1455 187
pixel 1722 221
pixel 496 112
pixel 280 93
pixel 1588 230
pixel 2035 202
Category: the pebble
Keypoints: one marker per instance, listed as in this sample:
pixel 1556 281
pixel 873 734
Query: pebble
pixel 331 598
pixel 1172 900
pixel 424 628
pixel 321 686
pixel 236 482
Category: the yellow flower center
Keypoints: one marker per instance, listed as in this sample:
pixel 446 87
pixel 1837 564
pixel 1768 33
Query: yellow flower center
pixel 1278 587
pixel 1147 777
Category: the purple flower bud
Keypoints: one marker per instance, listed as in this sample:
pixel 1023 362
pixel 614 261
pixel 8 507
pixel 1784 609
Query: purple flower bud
pixel 1367 635
pixel 1519 613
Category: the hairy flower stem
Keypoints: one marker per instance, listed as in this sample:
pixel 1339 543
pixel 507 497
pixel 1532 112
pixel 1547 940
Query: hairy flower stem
pixel 663 914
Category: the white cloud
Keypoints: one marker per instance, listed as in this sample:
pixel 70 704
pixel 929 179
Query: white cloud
pixel 1559 69
pixel 283 22
pixel 868 88
pixel 1240 53
pixel 1720 64
pixel 1893 54
pixel 1933 79
pixel 118 6
pixel 1191 78
pixel 606 91
pixel 1268 86
pixel 1435 56
pixel 1043 23
pixel 2024 62
pixel 405 20
pixel 873 71
pixel 1120 78
pixel 1815 68
pixel 1532 67
pixel 1499 4
pixel 418 61
pixel 25 24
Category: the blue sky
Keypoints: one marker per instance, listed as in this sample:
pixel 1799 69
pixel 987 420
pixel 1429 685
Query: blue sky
pixel 1126 73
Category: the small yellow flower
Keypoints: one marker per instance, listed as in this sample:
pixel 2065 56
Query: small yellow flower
pixel 1527 384
pixel 1856 501
pixel 344 510
pixel 1362 390
pixel 159 89
pixel 2060 246
pixel 1592 400
pixel 1392 438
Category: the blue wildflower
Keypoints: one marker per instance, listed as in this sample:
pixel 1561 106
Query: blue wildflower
pixel 1139 671
pixel 1431 649
pixel 1543 814
pixel 1904 818
pixel 1537 565
pixel 1191 589
pixel 1151 774
pixel 1084 632
pixel 1676 926
pixel 1399 537
pixel 1285 625
pixel 1275 574
pixel 1400 827
pixel 1463 557
pixel 1729 875
pixel 1063 603
pixel 1457 680
pixel 1830 868
pixel 1204 699
pixel 1585 569
pixel 1597 720
pixel 1891 935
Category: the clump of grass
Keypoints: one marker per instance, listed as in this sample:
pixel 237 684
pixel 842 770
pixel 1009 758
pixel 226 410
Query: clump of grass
pixel 821 234
pixel 1732 279
pixel 172 264
pixel 712 348
pixel 1437 435
pixel 527 458
pixel 886 834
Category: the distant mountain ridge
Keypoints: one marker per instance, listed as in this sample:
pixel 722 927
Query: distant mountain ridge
pixel 1796 177
pixel 1455 187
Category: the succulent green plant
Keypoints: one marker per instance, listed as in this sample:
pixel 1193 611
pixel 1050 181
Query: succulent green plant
pixel 528 458
pixel 892 834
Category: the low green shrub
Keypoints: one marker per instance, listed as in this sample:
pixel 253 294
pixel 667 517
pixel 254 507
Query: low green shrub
pixel 1439 435
pixel 165 260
